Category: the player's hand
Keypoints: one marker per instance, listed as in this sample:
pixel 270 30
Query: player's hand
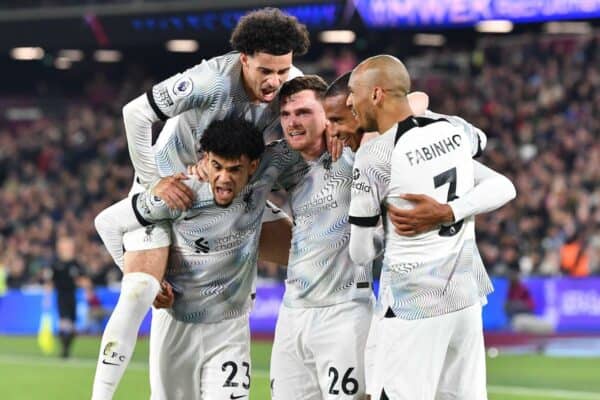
pixel 165 298
pixel 199 170
pixel 174 192
pixel 418 102
pixel 335 147
pixel 426 215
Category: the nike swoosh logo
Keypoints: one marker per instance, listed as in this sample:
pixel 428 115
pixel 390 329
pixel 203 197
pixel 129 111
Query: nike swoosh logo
pixel 232 397
pixel 108 363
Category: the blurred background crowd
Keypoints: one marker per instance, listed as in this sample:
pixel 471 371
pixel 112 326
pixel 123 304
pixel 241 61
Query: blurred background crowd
pixel 63 154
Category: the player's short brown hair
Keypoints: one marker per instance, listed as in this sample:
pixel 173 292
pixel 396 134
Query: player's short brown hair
pixel 300 83
pixel 271 31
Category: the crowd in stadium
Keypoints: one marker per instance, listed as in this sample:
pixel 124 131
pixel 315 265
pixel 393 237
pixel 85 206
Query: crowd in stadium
pixel 536 97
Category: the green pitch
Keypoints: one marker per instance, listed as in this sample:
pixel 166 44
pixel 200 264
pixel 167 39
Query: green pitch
pixel 26 374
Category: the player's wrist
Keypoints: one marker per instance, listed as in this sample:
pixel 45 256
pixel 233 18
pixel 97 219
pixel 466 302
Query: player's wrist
pixel 446 214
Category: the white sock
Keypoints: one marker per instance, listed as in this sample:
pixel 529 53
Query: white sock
pixel 138 291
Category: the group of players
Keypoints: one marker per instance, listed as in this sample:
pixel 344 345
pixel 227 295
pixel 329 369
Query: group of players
pixel 192 242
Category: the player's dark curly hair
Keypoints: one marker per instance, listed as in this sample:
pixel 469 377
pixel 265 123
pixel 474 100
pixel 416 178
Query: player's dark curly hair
pixel 271 31
pixel 339 86
pixel 233 137
pixel 300 83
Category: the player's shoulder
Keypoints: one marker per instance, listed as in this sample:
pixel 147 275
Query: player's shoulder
pixel 294 73
pixel 348 156
pixel 277 146
pixel 216 68
pixel 374 147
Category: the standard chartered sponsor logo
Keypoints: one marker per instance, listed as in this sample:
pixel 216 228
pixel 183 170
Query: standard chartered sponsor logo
pixel 320 202
pixel 306 211
pixel 233 240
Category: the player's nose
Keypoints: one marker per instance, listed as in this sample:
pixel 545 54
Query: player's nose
pixel 274 81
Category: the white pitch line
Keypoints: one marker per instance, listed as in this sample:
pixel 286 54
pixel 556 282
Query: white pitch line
pixel 261 373
pixel 552 393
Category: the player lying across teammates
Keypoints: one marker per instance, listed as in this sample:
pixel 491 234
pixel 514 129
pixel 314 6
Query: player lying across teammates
pixel 200 344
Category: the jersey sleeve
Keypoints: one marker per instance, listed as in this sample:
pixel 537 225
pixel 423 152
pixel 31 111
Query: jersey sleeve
pixel 367 192
pixel 150 209
pixel 477 138
pixel 491 191
pixel 175 148
pixel 197 87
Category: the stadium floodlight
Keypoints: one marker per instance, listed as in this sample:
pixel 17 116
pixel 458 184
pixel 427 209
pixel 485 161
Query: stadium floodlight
pixel 62 63
pixel 494 26
pixel 72 55
pixel 108 56
pixel 568 27
pixel 429 39
pixel 27 53
pixel 337 36
pixel 182 45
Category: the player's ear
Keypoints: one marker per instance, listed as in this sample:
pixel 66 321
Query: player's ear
pixel 253 166
pixel 244 59
pixel 377 95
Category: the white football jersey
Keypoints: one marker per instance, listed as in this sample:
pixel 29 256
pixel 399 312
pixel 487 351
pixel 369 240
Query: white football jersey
pixel 436 272
pixel 212 90
pixel 320 271
pixel 212 260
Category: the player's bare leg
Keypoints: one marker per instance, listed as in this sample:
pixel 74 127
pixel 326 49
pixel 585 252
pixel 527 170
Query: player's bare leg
pixel 143 270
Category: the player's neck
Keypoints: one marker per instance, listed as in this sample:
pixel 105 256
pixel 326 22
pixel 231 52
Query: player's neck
pixel 391 115
pixel 314 152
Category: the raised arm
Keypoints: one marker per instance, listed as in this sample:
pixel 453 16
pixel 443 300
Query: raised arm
pixel 491 191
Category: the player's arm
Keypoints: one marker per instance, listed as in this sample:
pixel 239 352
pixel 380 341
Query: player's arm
pixel 196 87
pixel 275 239
pixel 365 211
pixel 491 191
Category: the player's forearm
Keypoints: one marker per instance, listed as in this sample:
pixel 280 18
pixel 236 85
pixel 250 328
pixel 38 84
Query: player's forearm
pixel 363 244
pixel 138 117
pixel 112 223
pixel 274 244
pixel 491 191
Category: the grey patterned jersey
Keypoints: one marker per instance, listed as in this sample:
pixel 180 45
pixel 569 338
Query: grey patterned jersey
pixel 436 272
pixel 212 90
pixel 212 261
pixel 320 271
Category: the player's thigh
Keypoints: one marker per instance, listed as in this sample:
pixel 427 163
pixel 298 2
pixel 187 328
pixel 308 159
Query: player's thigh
pixel 147 250
pixel 370 349
pixel 464 371
pixel 226 372
pixel 293 373
pixel 176 356
pixel 338 339
pixel 409 357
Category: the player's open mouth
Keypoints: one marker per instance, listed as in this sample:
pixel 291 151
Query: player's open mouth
pixel 297 133
pixel 268 94
pixel 223 191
